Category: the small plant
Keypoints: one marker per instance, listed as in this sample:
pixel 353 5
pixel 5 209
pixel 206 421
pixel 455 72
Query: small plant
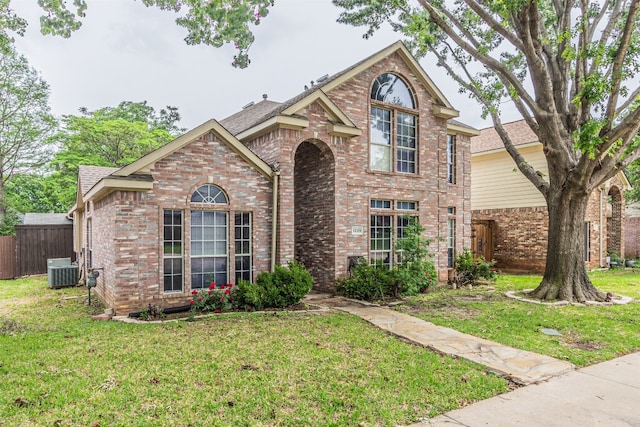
pixel 415 270
pixel 216 298
pixel 367 282
pixel 471 270
pixel 152 312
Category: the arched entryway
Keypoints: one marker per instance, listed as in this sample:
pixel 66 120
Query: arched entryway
pixel 314 182
pixel 614 222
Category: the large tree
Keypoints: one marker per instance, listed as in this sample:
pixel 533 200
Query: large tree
pixel 25 119
pixel 568 67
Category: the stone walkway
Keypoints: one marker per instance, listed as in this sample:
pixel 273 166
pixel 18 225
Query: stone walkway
pixel 519 366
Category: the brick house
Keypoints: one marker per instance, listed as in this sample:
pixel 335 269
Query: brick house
pixel 326 176
pixel 510 221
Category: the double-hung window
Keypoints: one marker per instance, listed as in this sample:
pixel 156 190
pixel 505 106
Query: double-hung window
pixel 393 126
pixel 387 223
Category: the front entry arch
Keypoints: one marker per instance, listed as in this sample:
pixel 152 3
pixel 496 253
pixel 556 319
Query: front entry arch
pixel 314 199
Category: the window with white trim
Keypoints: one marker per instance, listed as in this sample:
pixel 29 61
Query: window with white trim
pixel 243 245
pixel 172 250
pixel 387 224
pixel 393 126
pixel 451 237
pixel 451 159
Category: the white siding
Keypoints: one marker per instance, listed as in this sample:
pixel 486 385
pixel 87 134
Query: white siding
pixel 495 184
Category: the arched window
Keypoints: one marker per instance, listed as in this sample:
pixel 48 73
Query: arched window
pixel 392 89
pixel 393 126
pixel 209 194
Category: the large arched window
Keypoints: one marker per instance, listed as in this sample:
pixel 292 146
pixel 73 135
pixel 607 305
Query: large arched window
pixel 393 126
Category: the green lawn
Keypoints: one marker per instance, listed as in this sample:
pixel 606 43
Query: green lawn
pixel 60 368
pixel 589 334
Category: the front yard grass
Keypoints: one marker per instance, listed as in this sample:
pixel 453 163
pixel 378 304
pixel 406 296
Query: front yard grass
pixel 590 334
pixel 59 367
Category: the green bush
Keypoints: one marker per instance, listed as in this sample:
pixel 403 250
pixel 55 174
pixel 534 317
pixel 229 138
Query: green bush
pixel 367 282
pixel 283 288
pixel 470 270
pixel 248 296
pixel 286 286
pixel 415 270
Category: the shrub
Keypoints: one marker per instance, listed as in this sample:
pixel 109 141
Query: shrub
pixel 415 270
pixel 248 296
pixel 367 282
pixel 470 270
pixel 286 286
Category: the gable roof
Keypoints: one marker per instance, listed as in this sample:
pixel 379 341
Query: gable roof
pixel 242 124
pixel 144 164
pixel 489 140
pixel 88 176
pixel 95 182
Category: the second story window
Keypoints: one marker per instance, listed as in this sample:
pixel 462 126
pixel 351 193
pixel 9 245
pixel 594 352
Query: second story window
pixel 451 159
pixel 393 126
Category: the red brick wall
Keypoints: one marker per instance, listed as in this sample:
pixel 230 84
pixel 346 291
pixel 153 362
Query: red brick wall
pixel 520 234
pixel 632 237
pixel 355 184
pixel 128 225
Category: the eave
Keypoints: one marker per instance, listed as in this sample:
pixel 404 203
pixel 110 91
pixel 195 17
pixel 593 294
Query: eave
pixel 462 130
pixel 110 184
pixel 280 121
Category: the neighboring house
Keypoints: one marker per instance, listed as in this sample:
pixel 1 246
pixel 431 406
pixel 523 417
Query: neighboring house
pixel 324 178
pixel 509 215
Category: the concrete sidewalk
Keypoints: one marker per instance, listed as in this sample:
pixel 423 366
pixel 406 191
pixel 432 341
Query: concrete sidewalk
pixel 520 366
pixel 606 394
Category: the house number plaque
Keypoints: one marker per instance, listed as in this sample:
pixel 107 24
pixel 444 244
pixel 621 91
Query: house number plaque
pixel 357 230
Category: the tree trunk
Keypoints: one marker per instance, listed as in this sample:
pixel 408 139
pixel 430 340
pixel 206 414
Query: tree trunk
pixel 565 276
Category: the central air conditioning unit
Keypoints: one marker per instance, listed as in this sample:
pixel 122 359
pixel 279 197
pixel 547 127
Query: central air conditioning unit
pixel 61 273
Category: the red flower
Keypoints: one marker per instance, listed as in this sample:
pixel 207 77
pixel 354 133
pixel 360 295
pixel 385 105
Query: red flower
pixel 229 285
pixel 200 299
pixel 209 291
pixel 212 285
pixel 194 292
pixel 230 297
pixel 218 310
pixel 227 291
pixel 192 302
pixel 249 307
pixel 222 299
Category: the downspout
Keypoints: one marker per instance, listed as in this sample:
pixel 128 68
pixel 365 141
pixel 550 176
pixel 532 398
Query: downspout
pixel 601 237
pixel 274 220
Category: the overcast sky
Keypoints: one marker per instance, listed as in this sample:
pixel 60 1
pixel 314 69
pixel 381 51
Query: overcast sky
pixel 125 51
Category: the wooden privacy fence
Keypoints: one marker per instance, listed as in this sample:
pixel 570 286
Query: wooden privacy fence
pixel 27 252
pixel 7 257
pixel 37 243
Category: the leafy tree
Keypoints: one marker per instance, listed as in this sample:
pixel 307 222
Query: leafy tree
pixel 213 23
pixel 109 136
pixel 568 67
pixel 25 120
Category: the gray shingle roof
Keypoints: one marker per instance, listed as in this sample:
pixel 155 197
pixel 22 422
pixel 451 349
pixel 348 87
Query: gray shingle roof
pixel 90 175
pixel 489 140
pixel 46 219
